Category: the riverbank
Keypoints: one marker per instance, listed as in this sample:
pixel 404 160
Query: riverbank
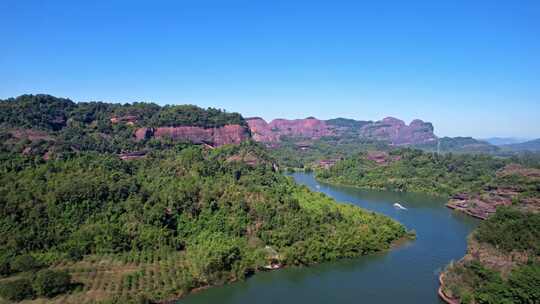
pixel 476 209
pixel 342 184
pixel 363 278
pixel 394 245
pixel 441 293
pixel 495 184
pixel 502 263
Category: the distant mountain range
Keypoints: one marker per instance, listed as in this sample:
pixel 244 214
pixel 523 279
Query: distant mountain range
pixel 459 145
pixel 531 145
pixel 48 123
pixel 499 141
pixel 391 130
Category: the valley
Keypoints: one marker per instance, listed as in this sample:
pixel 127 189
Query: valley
pixel 269 152
pixel 141 203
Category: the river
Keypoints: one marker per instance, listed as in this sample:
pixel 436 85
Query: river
pixel 406 274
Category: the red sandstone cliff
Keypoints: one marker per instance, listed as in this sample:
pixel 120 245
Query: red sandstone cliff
pixel 261 131
pixel 271 132
pixel 389 129
pixel 398 133
pixel 229 134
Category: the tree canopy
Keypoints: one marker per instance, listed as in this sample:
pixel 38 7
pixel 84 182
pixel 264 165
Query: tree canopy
pixel 213 206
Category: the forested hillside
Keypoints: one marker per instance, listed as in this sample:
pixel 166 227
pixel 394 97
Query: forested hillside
pixel 45 125
pixel 459 145
pixel 296 153
pixel 415 171
pixel 502 264
pixel 532 145
pixel 475 184
pixel 46 112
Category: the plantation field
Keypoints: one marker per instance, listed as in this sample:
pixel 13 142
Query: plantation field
pixel 123 278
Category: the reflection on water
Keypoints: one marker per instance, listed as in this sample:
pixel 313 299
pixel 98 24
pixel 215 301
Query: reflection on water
pixel 407 274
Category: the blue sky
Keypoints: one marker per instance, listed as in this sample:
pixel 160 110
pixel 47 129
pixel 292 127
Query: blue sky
pixel 470 67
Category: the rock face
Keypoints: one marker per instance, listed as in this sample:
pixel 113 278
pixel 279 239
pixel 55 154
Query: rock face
pixel 382 158
pixel 272 132
pixel 484 204
pixel 398 133
pixel 228 134
pixel 389 129
pixel 261 131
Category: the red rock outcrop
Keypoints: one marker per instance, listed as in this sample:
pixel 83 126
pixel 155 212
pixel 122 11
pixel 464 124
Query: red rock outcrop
pixel 261 131
pixel 328 163
pixel 381 157
pixel 398 133
pixel 484 204
pixel 271 132
pixel 128 119
pixel 389 129
pixel 32 135
pixel 229 134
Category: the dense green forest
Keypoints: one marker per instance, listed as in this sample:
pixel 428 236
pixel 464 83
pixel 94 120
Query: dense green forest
pixel 508 232
pixel 305 153
pixel 290 153
pixel 459 145
pixel 40 124
pixel 416 171
pixel 217 210
pixel 51 113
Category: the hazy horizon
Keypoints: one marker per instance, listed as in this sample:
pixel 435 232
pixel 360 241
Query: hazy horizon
pixel 472 69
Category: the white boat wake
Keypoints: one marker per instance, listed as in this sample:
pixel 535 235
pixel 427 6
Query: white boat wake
pixel 399 206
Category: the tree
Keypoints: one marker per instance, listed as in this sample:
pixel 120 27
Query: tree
pixel 23 263
pixel 16 290
pixel 49 283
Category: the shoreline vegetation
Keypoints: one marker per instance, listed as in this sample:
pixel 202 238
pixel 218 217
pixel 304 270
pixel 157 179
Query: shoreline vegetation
pixel 442 294
pixel 502 264
pixel 408 237
pixel 412 170
pixel 474 184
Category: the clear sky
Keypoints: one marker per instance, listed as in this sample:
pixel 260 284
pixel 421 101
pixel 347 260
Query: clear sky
pixel 470 67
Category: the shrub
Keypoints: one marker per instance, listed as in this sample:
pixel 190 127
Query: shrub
pixel 16 290
pixel 128 299
pixel 511 229
pixel 75 253
pixel 49 283
pixel 24 263
pixel 5 268
pixel 213 253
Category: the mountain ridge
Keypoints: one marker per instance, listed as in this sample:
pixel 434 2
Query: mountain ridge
pixel 390 129
pixel 140 122
pixel 531 145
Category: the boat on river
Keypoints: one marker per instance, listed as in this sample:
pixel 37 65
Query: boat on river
pixel 399 206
